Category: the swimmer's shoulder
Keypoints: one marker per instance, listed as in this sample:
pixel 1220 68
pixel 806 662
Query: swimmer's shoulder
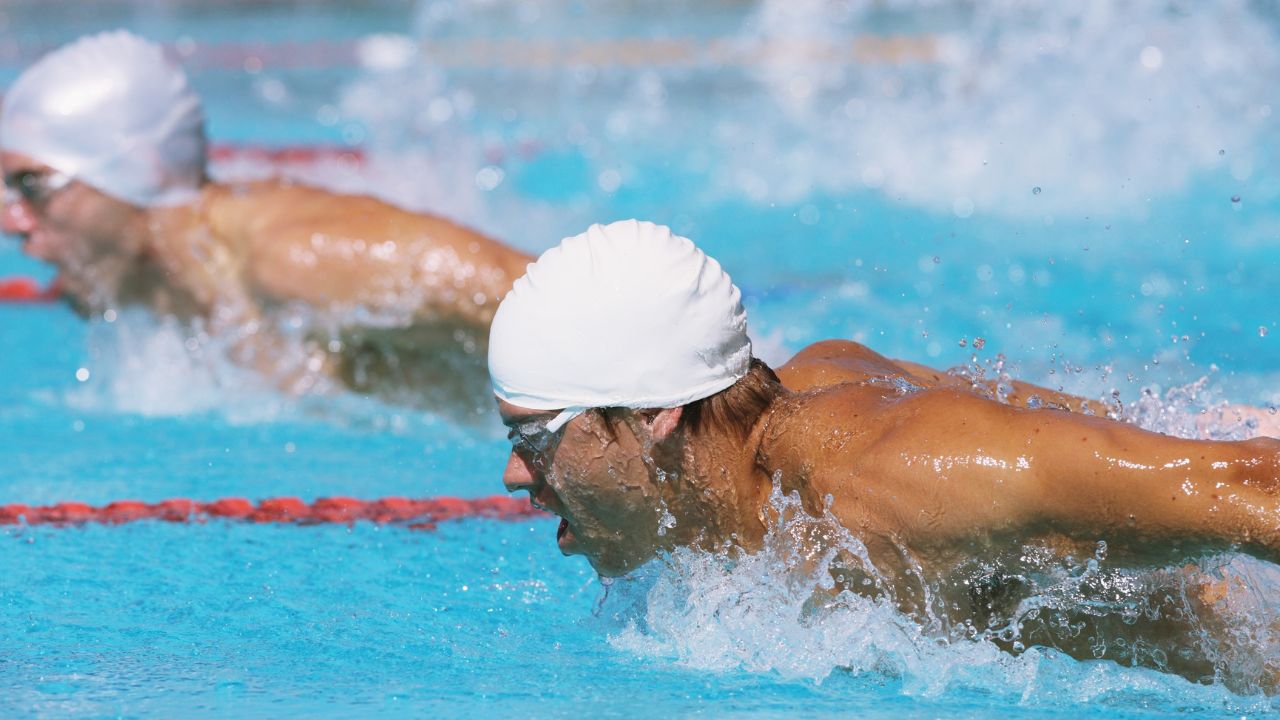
pixel 810 423
pixel 835 362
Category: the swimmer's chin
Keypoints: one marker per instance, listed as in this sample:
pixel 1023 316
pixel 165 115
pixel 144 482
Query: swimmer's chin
pixel 611 567
pixel 607 565
pixel 78 303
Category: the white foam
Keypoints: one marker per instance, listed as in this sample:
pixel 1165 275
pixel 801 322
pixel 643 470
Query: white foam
pixel 157 366
pixel 1099 105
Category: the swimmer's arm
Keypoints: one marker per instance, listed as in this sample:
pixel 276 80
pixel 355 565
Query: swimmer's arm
pixel 1156 494
pixel 949 466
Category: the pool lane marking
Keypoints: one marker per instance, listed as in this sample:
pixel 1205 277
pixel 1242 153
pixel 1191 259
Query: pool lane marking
pixel 25 290
pixel 288 154
pixel 525 54
pixel 417 514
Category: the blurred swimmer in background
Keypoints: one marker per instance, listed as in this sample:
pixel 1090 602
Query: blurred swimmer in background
pixel 103 152
pixel 638 414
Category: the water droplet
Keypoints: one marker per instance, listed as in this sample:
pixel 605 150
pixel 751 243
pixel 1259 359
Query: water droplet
pixel 936 259
pixel 978 343
pixel 82 374
pixel 1222 152
pixel 1262 331
pixel 963 342
pixel 1035 190
pixel 1235 198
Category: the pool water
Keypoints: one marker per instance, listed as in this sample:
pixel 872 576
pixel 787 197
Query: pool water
pixel 1083 197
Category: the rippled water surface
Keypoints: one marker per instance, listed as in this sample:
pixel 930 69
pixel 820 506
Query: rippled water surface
pixel 1086 197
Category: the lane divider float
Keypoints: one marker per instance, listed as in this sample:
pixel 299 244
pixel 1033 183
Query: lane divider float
pixel 25 290
pixel 528 54
pixel 417 514
pixel 288 154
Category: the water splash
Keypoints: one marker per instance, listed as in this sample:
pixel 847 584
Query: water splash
pixel 158 366
pixel 1113 83
pixel 777 611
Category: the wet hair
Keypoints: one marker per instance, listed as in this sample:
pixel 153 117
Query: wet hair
pixel 735 409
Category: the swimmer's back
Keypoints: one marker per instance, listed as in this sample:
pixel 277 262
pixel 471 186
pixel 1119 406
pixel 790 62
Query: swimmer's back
pixel 306 244
pixel 834 362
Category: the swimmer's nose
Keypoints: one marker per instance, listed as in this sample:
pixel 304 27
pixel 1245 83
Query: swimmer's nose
pixel 518 475
pixel 17 218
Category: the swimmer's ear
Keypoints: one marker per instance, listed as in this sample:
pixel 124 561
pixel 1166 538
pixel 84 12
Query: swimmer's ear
pixel 663 422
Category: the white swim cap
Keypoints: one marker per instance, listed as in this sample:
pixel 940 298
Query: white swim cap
pixel 623 315
pixel 112 111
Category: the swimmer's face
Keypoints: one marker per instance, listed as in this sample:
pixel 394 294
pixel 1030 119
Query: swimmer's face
pixel 82 231
pixel 593 474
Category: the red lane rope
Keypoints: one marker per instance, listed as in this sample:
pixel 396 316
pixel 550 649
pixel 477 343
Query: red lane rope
pixel 287 155
pixel 420 514
pixel 25 290
pixel 251 56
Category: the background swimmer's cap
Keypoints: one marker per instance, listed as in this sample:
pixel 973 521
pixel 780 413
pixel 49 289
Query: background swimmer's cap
pixel 623 315
pixel 110 110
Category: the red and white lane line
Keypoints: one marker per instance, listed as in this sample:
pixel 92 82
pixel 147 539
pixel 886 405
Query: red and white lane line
pixel 419 514
pixel 524 54
pixel 287 155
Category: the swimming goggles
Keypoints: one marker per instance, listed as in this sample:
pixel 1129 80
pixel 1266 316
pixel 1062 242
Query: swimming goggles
pixel 36 187
pixel 536 439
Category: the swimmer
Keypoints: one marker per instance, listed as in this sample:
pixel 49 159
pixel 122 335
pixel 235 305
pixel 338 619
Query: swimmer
pixel 103 153
pixel 637 414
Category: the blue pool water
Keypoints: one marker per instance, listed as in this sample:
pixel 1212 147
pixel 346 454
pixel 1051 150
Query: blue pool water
pixel 1091 192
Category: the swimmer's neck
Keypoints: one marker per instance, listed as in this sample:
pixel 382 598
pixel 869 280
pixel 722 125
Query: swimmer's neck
pixel 199 257
pixel 723 487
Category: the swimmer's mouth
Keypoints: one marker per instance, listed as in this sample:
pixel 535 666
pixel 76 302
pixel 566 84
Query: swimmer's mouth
pixel 564 537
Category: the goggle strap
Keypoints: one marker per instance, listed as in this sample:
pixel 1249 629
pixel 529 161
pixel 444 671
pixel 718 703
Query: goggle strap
pixel 560 420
